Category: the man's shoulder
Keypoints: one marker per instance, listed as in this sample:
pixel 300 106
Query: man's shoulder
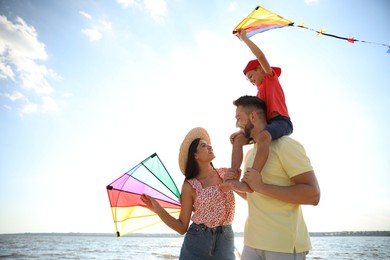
pixel 286 141
pixel 287 147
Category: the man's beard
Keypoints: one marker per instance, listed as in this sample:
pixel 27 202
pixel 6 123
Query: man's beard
pixel 247 129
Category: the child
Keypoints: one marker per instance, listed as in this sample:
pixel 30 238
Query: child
pixel 265 78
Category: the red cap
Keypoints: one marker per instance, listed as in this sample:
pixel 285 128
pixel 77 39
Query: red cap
pixel 253 64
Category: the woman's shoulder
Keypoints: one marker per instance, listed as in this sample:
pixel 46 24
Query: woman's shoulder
pixel 187 187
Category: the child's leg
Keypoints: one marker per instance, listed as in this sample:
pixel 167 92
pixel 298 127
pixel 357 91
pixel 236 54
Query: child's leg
pixel 263 141
pixel 238 141
pixel 277 127
pixel 237 157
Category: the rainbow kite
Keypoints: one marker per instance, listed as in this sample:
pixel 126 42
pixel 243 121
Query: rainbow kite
pixel 149 177
pixel 261 20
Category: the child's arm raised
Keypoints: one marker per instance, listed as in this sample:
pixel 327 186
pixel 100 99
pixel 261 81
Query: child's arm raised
pixel 256 51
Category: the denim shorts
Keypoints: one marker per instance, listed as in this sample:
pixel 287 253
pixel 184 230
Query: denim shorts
pixel 203 243
pixel 279 126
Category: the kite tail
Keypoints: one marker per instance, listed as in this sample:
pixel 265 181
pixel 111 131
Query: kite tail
pixel 350 40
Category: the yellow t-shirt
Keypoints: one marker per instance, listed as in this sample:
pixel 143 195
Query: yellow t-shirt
pixel 274 225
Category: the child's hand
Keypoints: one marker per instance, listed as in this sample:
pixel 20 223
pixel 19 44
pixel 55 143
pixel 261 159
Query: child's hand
pixel 238 138
pixel 233 136
pixel 242 33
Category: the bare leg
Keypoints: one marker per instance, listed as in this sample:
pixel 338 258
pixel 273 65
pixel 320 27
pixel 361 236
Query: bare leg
pixel 263 141
pixel 236 184
pixel 237 157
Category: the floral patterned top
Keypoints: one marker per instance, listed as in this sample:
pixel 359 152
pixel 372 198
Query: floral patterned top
pixel 212 207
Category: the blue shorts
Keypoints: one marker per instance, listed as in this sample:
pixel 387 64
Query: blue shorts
pixel 279 126
pixel 203 243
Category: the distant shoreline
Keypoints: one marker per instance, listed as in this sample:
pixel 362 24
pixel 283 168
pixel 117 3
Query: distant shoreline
pixel 237 234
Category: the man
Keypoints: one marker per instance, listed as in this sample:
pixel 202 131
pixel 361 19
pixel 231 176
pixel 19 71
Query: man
pixel 275 228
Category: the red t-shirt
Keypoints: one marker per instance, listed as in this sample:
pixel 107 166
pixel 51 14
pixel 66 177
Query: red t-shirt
pixel 271 92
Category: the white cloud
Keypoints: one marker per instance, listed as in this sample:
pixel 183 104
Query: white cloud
pixel 311 1
pixel 6 72
pixel 20 40
pixel 88 16
pixel 7 107
pixel 29 108
pixel 127 3
pixel 20 52
pixel 49 105
pixel 13 97
pixel 96 29
pixel 232 6
pixel 156 8
pixel 92 34
pixel 34 76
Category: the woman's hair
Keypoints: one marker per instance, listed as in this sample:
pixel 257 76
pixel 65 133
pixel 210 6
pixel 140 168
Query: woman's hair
pixel 192 167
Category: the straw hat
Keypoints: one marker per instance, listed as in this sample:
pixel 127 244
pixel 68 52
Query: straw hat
pixel 197 132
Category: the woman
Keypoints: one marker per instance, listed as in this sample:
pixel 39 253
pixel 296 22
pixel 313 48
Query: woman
pixel 210 235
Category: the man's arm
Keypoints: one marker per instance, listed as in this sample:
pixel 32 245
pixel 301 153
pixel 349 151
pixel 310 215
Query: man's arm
pixel 304 191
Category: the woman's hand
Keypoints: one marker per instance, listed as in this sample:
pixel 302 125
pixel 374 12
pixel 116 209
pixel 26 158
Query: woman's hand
pixel 150 203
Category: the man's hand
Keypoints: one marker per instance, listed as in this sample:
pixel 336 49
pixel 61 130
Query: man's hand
pixel 253 179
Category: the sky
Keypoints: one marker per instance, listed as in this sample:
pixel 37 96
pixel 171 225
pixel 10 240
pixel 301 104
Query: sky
pixel 88 89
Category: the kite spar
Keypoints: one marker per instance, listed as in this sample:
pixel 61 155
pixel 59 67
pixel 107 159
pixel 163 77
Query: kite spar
pixel 261 20
pixel 148 177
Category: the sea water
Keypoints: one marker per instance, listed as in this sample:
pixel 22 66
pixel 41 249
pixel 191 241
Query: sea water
pixel 95 246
